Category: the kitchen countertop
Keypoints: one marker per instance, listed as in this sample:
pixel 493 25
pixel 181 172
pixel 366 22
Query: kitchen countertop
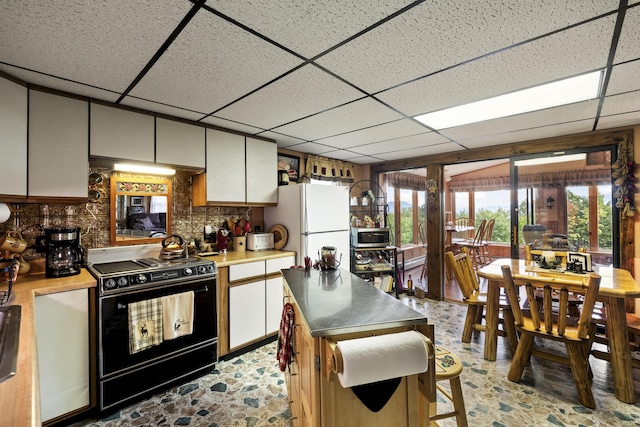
pixel 20 394
pixel 232 257
pixel 338 302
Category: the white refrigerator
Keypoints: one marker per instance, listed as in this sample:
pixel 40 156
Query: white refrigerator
pixel 314 215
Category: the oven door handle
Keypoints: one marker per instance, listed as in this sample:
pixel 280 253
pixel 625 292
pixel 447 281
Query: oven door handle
pixel 122 306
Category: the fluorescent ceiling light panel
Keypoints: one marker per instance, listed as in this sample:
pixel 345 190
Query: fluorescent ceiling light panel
pixel 149 170
pixel 548 160
pixel 567 91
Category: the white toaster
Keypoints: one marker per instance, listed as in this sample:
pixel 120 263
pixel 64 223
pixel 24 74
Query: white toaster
pixel 260 241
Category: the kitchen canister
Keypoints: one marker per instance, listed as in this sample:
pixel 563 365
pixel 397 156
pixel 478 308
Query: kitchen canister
pixel 239 243
pixel 5 212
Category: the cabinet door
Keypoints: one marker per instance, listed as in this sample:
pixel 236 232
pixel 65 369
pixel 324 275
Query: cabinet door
pixel 262 171
pixel 274 304
pixel 309 385
pixel 276 264
pixel 246 270
pixel 122 134
pixel 225 180
pixel 180 144
pixel 62 338
pixel 58 146
pixel 246 313
pixel 13 138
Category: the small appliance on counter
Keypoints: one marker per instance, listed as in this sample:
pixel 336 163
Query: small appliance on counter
pixel 370 237
pixel 260 241
pixel 65 256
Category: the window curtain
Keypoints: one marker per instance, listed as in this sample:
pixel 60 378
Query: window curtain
pixel 326 169
pixel 405 181
pixel 559 179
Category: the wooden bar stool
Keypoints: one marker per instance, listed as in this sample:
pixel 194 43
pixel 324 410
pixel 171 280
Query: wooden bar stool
pixel 447 367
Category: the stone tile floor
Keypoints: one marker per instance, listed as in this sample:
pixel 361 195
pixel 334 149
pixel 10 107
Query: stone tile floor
pixel 249 390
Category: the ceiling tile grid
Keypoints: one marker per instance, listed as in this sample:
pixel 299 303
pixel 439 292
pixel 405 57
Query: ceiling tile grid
pixel 306 91
pixel 425 139
pixel 442 33
pixel 624 78
pixel 308 27
pixel 212 63
pixel 356 115
pixel 629 43
pixel 572 52
pixel 371 135
pixel 420 151
pixel 101 43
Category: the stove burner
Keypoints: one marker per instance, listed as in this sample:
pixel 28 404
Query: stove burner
pixel 122 276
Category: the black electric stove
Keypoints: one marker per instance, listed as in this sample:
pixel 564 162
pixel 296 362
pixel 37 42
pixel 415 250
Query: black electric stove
pixel 123 276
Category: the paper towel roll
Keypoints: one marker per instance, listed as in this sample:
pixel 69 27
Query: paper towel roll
pixel 378 358
pixel 5 212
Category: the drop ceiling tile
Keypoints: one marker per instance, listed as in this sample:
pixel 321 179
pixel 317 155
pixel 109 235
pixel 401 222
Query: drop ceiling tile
pixel 228 124
pixel 619 120
pixel 212 63
pixel 397 129
pixel 446 147
pixel 629 43
pixel 103 43
pixel 304 92
pixel 59 84
pixel 312 147
pixel 569 53
pixel 624 78
pixel 352 158
pixel 535 119
pixel 350 117
pixel 438 34
pixel 283 140
pixel 308 27
pixel 529 134
pixel 408 142
pixel 619 104
pixel 162 109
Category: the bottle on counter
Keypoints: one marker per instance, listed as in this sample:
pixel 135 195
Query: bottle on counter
pixel 410 286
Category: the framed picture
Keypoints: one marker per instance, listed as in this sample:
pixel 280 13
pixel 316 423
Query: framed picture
pixel 291 164
pixel 136 201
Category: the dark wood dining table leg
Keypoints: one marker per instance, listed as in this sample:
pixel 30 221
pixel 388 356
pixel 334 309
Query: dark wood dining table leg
pixel 620 350
pixel 491 319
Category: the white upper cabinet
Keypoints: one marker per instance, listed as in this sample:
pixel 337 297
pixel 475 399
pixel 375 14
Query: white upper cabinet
pixel 122 134
pixel 261 171
pixel 225 179
pixel 180 144
pixel 58 147
pixel 13 138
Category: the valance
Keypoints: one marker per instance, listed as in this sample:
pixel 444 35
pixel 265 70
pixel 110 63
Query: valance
pixel 405 180
pixel 558 179
pixel 327 169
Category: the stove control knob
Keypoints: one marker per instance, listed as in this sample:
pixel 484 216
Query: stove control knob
pixel 109 284
pixel 141 278
pixel 202 269
pixel 122 281
pixel 187 271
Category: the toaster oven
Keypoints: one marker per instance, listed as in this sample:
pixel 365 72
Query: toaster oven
pixel 370 237
pixel 260 241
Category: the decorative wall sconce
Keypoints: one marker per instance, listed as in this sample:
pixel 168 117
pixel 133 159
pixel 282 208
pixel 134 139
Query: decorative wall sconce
pixel 550 201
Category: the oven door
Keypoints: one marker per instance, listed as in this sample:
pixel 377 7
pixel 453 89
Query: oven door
pixel 113 335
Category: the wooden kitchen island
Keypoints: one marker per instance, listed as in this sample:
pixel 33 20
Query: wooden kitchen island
pixel 331 306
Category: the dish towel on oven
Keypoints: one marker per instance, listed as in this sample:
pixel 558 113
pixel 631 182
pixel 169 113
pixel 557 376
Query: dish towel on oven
pixel 145 324
pixel 177 315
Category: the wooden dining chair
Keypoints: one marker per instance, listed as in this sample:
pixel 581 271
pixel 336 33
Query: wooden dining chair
pixel 475 246
pixel 486 253
pixel 422 235
pixel 551 320
pixel 600 321
pixel 465 275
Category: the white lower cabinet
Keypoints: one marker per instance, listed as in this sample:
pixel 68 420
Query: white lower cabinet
pixel 62 336
pixel 246 313
pixel 255 300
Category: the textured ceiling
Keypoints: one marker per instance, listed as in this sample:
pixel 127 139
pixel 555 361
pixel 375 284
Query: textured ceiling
pixel 338 78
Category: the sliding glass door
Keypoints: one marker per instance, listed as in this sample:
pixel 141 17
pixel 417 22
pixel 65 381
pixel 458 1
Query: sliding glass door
pixel 563 201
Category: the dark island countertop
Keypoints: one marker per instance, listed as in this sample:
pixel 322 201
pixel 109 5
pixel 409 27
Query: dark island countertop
pixel 338 302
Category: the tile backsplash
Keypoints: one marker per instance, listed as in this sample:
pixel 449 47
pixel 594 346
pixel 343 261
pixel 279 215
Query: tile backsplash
pixel 93 217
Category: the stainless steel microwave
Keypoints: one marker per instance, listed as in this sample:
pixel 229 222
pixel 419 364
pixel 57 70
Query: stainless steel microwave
pixel 369 237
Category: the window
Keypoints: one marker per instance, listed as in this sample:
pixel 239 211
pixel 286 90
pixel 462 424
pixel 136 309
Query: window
pixel 406 216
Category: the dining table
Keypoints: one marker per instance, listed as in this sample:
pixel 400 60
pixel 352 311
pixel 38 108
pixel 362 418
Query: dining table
pixel 451 229
pixel 616 286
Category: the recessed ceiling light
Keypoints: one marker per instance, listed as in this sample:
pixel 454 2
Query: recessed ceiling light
pixel 562 92
pixel 149 170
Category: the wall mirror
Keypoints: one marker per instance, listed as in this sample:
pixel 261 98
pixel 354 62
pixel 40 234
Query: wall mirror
pixel 140 210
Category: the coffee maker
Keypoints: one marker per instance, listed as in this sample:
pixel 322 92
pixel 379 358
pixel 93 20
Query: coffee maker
pixel 65 256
